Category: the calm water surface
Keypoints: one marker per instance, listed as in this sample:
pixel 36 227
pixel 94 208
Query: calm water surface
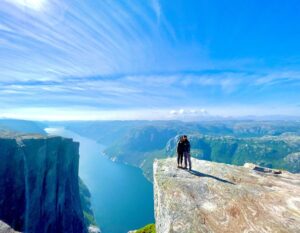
pixel 122 198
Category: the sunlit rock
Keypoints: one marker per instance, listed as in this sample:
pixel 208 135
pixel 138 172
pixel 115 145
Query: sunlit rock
pixel 216 197
pixel 4 228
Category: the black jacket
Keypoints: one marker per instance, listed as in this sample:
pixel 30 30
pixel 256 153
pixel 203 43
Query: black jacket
pixel 186 146
pixel 180 147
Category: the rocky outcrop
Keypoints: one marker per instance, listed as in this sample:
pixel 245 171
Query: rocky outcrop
pixel 94 229
pixel 216 197
pixel 4 228
pixel 39 189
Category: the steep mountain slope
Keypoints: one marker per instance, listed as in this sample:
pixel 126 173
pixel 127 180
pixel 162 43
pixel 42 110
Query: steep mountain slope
pixel 140 146
pixel 85 198
pixel 139 142
pixel 110 132
pixel 39 187
pixel 270 151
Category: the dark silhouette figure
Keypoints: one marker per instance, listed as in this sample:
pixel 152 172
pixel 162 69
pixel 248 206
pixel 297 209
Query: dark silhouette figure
pixel 180 152
pixel 187 153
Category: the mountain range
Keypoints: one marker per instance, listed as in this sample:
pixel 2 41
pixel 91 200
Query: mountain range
pixel 274 144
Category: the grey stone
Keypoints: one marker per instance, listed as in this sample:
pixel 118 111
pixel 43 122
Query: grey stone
pixel 4 228
pixel 94 229
pixel 217 197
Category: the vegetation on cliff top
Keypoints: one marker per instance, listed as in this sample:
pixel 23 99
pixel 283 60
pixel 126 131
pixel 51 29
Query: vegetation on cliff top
pixel 150 228
pixel 266 145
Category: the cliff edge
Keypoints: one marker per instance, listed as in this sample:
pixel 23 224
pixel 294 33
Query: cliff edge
pixel 216 197
pixel 39 190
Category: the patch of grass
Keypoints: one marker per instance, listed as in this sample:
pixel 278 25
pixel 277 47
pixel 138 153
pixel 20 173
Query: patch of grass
pixel 89 218
pixel 150 228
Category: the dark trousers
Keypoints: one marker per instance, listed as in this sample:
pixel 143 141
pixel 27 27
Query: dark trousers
pixel 187 159
pixel 179 158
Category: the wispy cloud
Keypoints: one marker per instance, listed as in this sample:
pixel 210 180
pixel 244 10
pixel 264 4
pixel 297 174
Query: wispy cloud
pixel 210 113
pixel 76 38
pixel 173 89
pixel 118 55
pixel 157 8
pixel 277 78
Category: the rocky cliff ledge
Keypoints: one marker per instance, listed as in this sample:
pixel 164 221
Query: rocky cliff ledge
pixel 217 197
pixel 39 190
pixel 4 228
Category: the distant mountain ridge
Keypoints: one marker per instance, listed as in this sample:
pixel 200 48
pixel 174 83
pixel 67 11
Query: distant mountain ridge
pixel 109 132
pixel 271 144
pixel 21 126
pixel 138 143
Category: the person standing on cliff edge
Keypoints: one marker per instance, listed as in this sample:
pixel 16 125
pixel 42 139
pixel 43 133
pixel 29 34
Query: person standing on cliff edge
pixel 187 153
pixel 180 152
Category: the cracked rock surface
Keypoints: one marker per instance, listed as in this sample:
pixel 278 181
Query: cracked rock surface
pixel 216 197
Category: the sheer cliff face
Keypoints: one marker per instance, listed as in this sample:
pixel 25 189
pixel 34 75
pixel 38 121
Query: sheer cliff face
pixel 39 189
pixel 218 197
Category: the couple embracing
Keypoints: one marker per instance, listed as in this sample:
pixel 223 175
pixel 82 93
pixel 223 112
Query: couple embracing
pixel 183 152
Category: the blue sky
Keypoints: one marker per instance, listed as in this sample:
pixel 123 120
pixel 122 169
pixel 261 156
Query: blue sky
pixel 148 59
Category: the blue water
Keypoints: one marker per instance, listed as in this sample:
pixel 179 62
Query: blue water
pixel 122 198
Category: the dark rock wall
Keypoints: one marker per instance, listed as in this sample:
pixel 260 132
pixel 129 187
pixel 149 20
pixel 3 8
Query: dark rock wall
pixel 39 190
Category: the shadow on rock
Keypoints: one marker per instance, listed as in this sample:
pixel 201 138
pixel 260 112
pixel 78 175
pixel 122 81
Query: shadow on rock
pixel 196 173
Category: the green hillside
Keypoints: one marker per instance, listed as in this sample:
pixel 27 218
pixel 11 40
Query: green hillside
pixel 140 146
